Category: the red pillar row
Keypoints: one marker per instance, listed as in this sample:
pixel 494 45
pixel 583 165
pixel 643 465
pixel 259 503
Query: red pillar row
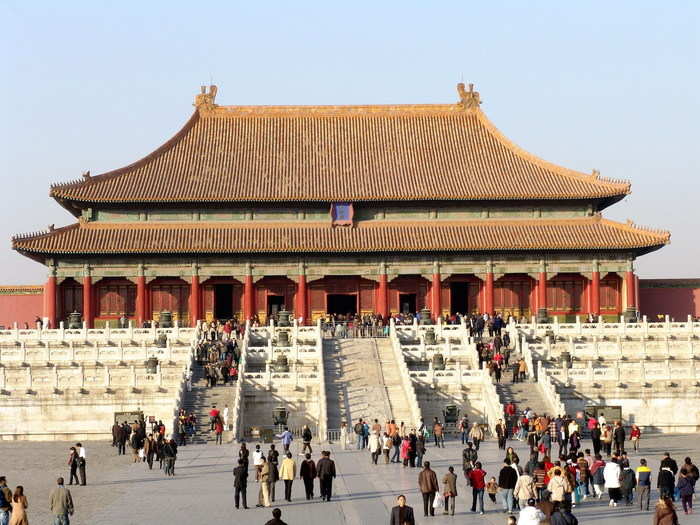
pixel 382 297
pixel 436 307
pixel 631 286
pixel 140 300
pixel 50 301
pixel 595 293
pixel 488 293
pixel 302 299
pixel 195 301
pixel 88 314
pixel 248 297
pixel 542 292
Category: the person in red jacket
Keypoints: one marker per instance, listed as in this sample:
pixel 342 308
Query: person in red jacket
pixel 476 480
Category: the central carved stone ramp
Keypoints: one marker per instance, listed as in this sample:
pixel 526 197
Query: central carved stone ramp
pixel 200 400
pixel 362 381
pixel 523 395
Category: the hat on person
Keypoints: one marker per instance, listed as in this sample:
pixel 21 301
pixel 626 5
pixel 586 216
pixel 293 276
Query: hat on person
pixel 531 502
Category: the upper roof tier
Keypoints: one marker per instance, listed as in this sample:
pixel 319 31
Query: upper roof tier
pixel 338 153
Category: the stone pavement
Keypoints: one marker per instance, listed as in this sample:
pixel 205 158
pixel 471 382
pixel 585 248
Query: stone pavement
pixel 123 493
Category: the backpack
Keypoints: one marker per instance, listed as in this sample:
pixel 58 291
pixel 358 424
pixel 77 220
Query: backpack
pixel 396 440
pixel 358 428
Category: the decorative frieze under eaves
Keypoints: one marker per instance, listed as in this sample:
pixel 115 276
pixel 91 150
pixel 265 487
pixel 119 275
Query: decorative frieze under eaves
pixel 317 267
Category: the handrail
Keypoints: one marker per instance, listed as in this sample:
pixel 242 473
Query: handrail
pixel 237 409
pixel 493 409
pixel 549 391
pixel 322 404
pixel 406 381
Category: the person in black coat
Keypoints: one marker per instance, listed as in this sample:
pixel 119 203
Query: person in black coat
pixel 666 482
pixel 669 463
pixel 402 514
pixel 240 483
pixel 619 438
pixel 325 470
pixel 307 472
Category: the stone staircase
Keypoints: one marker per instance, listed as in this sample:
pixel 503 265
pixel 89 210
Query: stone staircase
pixel 200 400
pixel 362 381
pixel 523 395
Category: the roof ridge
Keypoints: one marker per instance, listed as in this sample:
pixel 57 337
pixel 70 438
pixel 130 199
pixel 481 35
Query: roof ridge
pixel 561 170
pixel 631 226
pixel 163 148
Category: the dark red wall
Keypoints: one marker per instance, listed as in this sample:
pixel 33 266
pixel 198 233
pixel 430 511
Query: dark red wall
pixel 20 308
pixel 675 297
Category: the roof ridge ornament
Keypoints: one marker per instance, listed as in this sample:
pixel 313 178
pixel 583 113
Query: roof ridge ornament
pixel 205 100
pixel 468 99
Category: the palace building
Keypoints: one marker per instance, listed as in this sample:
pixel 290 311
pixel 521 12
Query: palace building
pixel 339 209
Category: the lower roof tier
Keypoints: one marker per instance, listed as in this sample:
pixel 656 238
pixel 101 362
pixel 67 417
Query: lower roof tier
pixel 588 233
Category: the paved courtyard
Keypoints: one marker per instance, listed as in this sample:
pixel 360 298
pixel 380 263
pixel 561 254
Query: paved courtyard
pixel 120 492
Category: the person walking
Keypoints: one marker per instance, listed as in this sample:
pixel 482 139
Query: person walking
pixel 19 507
pixel 288 471
pixel 73 464
pixel 665 512
pixel 619 437
pixel 276 518
pixel 611 474
pixel 507 479
pixel 325 470
pixel 524 489
pixel 375 447
pixel 240 484
pixel 666 483
pixel 5 501
pixel 502 434
pixel 476 435
pixel 402 514
pixel 643 484
pixel 420 451
pixel 307 436
pixel 149 450
pixel 258 457
pixel 635 436
pixel 685 486
pixel 477 479
pixel 61 504
pixel 82 462
pixel 530 514
pixel 628 481
pixel 428 485
pixel 449 490
pixel 286 438
pixel 264 479
pixel 438 435
pixel 307 473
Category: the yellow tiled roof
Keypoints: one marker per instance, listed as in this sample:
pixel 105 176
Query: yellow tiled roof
pixel 338 153
pixel 589 233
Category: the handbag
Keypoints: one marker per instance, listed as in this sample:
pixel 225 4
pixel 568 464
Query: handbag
pixel 439 501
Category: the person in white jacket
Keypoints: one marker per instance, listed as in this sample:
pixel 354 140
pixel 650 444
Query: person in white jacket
pixel 374 445
pixel 611 474
pixel 531 515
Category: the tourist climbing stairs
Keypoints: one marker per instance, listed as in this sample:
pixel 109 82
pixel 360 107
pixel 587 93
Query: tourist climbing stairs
pixel 200 400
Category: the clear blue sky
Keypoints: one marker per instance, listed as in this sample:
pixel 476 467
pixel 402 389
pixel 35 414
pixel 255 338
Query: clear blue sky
pixel 605 85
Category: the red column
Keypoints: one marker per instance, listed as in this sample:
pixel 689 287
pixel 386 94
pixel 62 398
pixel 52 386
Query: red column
pixel 195 301
pixel 88 314
pixel 248 297
pixel 542 291
pixel 382 300
pixel 302 301
pixel 631 285
pixel 436 290
pixel 595 293
pixel 50 301
pixel 488 293
pixel 140 300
